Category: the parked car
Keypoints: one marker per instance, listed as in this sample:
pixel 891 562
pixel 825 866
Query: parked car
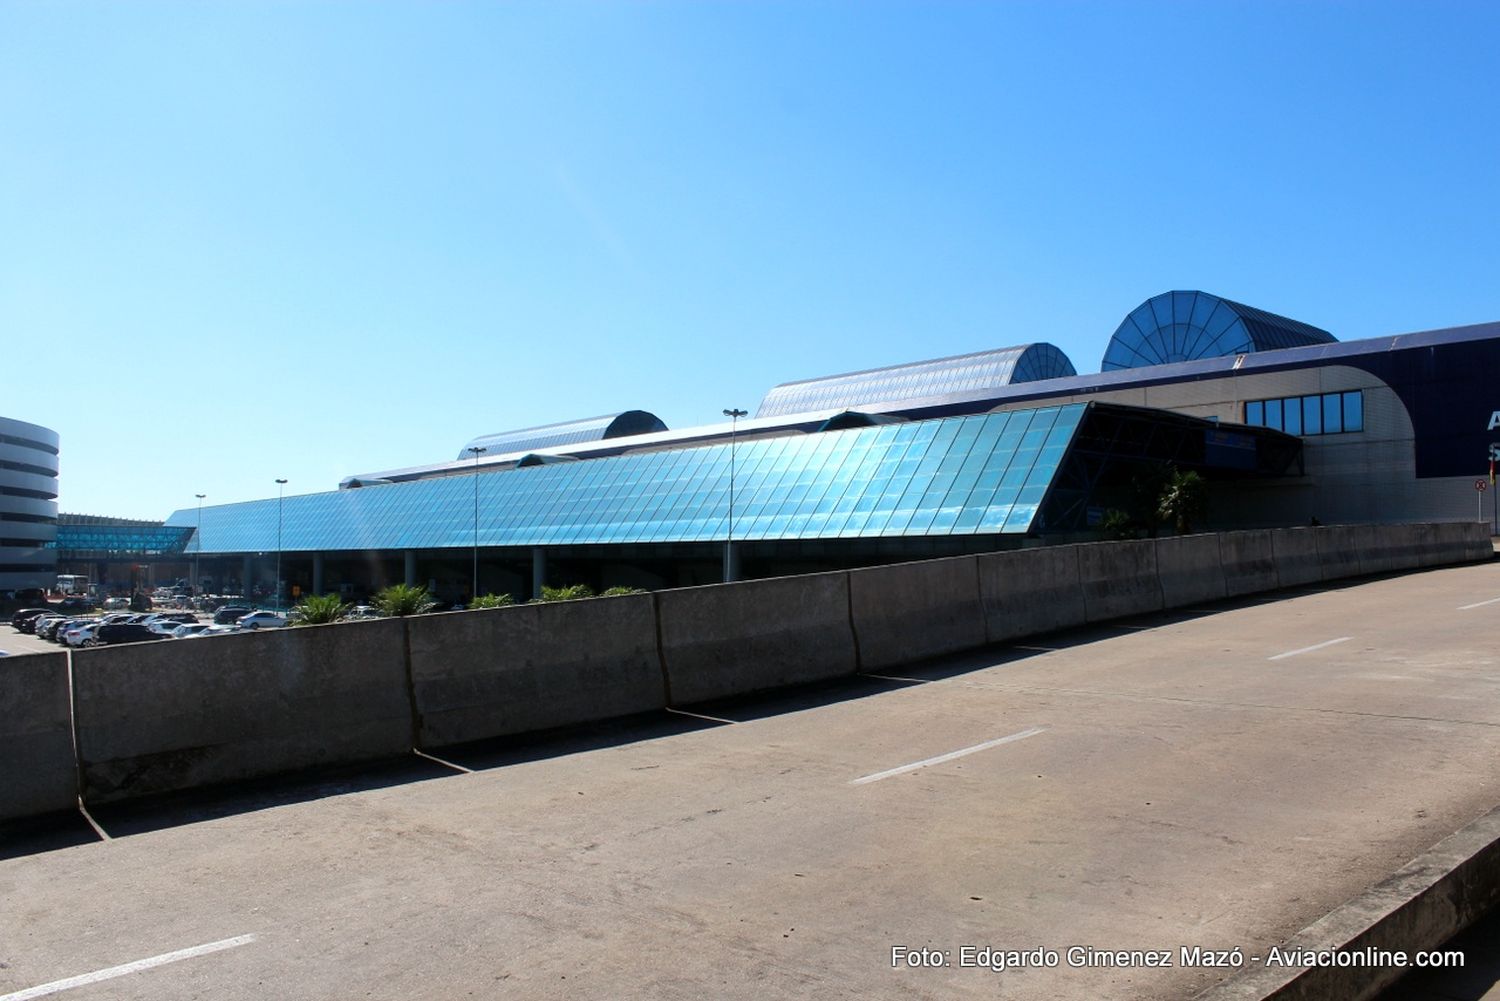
pixel 24 621
pixel 261 620
pixel 163 627
pixel 228 614
pixel 125 632
pixel 82 634
pixel 46 624
pixel 116 603
pixel 186 629
pixel 363 612
pixel 213 631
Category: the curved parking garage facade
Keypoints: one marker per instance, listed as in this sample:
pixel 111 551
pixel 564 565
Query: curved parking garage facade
pixel 28 505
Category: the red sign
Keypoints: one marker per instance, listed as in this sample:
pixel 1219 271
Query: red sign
pixel 1480 485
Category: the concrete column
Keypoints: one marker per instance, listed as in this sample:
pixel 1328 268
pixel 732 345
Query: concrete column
pixel 411 568
pixel 317 573
pixel 731 562
pixel 245 567
pixel 538 570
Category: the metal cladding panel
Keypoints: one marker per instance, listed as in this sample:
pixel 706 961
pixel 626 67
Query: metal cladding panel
pixel 985 474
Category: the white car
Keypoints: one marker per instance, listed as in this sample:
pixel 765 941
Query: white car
pixel 81 634
pixel 261 620
pixel 187 629
pixel 163 627
pixel 213 630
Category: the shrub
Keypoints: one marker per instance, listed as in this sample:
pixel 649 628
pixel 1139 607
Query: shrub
pixel 492 601
pixel 1183 498
pixel 565 593
pixel 317 609
pixel 618 590
pixel 404 599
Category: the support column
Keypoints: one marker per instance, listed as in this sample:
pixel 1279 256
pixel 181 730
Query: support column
pixel 538 570
pixel 411 567
pixel 245 567
pixel 317 587
pixel 731 562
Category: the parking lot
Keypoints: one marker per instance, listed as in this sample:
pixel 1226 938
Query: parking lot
pixel 1217 778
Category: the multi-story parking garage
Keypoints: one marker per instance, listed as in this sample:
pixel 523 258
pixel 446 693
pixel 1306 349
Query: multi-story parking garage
pixel 984 451
pixel 28 505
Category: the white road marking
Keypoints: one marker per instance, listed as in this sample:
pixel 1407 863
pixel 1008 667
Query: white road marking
pixel 128 968
pixel 103 834
pixel 680 712
pixel 1477 604
pixel 903 769
pixel 1279 656
pixel 429 757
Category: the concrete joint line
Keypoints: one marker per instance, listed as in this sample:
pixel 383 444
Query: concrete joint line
pixel 859 662
pixel 661 652
pixel 411 686
pixel 1425 903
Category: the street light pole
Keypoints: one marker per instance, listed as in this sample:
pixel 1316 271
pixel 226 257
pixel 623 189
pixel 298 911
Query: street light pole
pixel 280 496
pixel 478 450
pixel 734 416
pixel 198 553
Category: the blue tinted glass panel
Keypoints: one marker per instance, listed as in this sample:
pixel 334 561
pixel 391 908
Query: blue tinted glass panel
pixel 1312 414
pixel 1291 414
pixel 1354 411
pixel 1255 413
pixel 1333 413
pixel 1273 414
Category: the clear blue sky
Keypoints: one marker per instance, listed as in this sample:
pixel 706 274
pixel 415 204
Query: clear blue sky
pixel 242 241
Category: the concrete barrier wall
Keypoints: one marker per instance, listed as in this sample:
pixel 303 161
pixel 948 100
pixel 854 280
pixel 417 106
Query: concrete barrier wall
pixel 729 639
pixel 1249 562
pixel 175 715
pixel 1190 569
pixel 1297 560
pixel 1030 591
pixel 500 671
pixel 909 611
pixel 38 773
pixel 1119 579
pixel 1338 551
pixel 155 717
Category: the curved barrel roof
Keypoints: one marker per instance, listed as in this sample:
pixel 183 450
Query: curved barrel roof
pixel 916 380
pixel 567 433
pixel 1185 326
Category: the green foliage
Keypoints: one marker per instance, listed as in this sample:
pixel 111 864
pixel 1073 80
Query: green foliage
pixel 618 590
pixel 565 593
pixel 1119 525
pixel 492 601
pixel 317 609
pixel 1183 498
pixel 404 599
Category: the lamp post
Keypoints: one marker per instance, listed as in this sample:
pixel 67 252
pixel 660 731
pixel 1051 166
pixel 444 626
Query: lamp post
pixel 198 552
pixel 478 450
pixel 734 416
pixel 280 495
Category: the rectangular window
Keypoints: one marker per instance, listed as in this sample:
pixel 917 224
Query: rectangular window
pixel 1312 415
pixel 1273 414
pixel 1255 413
pixel 1292 411
pixel 1333 413
pixel 1354 411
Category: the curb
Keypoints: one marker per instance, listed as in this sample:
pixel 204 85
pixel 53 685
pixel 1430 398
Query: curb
pixel 1425 903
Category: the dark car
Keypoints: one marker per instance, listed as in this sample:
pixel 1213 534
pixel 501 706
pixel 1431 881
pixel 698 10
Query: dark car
pixel 25 620
pixel 75 603
pixel 230 614
pixel 125 632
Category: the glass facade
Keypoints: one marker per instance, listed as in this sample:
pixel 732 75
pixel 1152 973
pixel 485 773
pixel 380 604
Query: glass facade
pixel 1323 413
pixel 1182 326
pixel 99 539
pixel 938 377
pixel 986 473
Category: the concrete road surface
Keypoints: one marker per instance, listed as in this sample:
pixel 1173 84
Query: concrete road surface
pixel 1212 780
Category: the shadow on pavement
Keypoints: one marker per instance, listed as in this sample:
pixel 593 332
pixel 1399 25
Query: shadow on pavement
pixel 1478 979
pixel 47 833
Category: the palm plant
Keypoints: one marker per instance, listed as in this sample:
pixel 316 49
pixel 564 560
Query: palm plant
pixel 564 593
pixel 404 599
pixel 1183 498
pixel 492 601
pixel 316 609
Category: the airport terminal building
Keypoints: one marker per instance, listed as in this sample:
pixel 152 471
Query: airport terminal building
pixel 28 505
pixel 991 450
